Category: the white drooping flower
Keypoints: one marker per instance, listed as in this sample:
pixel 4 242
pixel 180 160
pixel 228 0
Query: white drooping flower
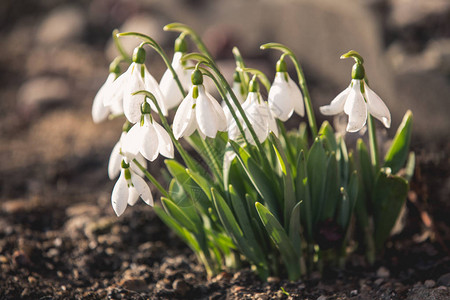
pixel 356 101
pixel 107 101
pixel 285 97
pixel 259 116
pixel 148 139
pixel 117 155
pixel 199 111
pixel 135 79
pixel 168 85
pixel 127 190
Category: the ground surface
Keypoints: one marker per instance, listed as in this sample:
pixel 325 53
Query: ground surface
pixel 59 237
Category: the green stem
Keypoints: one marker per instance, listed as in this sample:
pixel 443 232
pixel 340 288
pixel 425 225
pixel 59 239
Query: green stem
pixel 302 82
pixel 152 179
pixel 290 153
pixel 149 41
pixel 262 77
pixel 240 65
pixel 373 143
pixel 119 47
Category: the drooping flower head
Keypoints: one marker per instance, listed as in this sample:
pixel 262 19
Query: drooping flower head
pixel 118 154
pixel 357 100
pixel 148 138
pixel 168 85
pixel 107 95
pixel 137 78
pixel 199 111
pixel 128 188
pixel 258 114
pixel 285 96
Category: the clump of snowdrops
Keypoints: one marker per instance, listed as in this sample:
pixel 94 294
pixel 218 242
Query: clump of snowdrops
pixel 286 202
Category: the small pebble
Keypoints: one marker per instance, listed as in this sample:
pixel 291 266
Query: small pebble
pixel 3 259
pixel 181 287
pixel 273 279
pixel 429 283
pixel 322 298
pixel 383 272
pixel 444 280
pixel 353 293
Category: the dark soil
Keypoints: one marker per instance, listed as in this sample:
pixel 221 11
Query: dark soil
pixel 60 239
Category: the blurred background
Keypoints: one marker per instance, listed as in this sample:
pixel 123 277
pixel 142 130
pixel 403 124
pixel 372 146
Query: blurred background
pixel 54 56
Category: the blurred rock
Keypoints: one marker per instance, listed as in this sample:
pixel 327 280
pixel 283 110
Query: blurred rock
pixel 420 293
pixel 444 280
pixel 61 25
pixel 408 12
pixel 134 284
pixel 41 92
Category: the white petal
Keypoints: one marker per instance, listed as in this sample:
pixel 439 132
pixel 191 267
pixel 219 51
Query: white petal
pixel 168 86
pixel 205 114
pixel 142 189
pixel 132 103
pixel 337 105
pixel 376 107
pixel 236 88
pixel 272 122
pixel 119 196
pixel 99 111
pixel 258 116
pixel 131 143
pixel 116 89
pixel 149 142
pixel 165 145
pixel 220 114
pixel 297 97
pixel 152 86
pixel 184 117
pixel 355 108
pixel 280 99
pixel 114 161
pixel 133 196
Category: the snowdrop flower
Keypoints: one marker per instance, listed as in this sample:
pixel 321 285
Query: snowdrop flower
pixel 108 101
pixel 169 87
pixel 357 100
pixel 199 111
pixel 148 138
pixel 117 155
pixel 128 188
pixel 238 92
pixel 137 78
pixel 285 96
pixel 258 114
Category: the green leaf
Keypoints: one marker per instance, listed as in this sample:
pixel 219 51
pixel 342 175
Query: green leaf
pixel 175 212
pixel 295 230
pixel 265 187
pixel 366 170
pixel 281 241
pixel 331 193
pixel 398 152
pixel 317 166
pixel 302 194
pixel 178 229
pixel 410 166
pixel 329 138
pixel 289 194
pixel 389 195
pixel 232 227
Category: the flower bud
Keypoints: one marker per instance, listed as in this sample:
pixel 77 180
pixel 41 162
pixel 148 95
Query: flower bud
pixel 197 77
pixel 358 71
pixel 114 67
pixel 145 108
pixel 139 55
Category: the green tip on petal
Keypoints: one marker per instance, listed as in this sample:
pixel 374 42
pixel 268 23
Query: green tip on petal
pixel 139 55
pixel 236 77
pixel 181 44
pixel 124 165
pixel 353 54
pixel 253 85
pixel 281 65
